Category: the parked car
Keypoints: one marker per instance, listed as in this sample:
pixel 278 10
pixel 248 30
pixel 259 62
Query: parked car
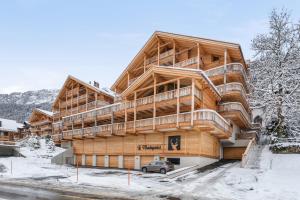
pixel 158 166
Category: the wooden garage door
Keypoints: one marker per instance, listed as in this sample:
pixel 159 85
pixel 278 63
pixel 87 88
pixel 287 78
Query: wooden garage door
pixel 100 161
pixel 146 160
pixel 78 160
pixel 233 153
pixel 129 162
pixel 88 160
pixel 113 161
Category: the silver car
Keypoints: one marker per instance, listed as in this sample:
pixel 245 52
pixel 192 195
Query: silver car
pixel 158 166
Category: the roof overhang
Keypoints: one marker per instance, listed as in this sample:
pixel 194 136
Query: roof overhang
pixel 172 71
pixel 203 41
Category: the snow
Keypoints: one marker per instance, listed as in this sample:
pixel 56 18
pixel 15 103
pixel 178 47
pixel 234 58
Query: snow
pixel 277 177
pixel 45 112
pixel 9 125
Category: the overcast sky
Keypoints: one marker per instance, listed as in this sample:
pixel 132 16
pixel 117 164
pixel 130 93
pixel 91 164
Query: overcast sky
pixel 42 41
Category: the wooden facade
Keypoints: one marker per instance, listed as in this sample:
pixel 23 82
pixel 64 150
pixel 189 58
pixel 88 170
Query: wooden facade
pixel 179 97
pixel 11 131
pixel 41 122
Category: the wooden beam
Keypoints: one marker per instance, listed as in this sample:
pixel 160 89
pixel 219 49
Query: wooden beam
pixel 178 102
pixel 193 102
pixel 158 51
pixel 134 120
pixel 225 69
pixel 198 54
pixel 154 104
pixel 174 53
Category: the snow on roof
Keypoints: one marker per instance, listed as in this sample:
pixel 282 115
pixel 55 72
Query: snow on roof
pixel 45 112
pixel 9 125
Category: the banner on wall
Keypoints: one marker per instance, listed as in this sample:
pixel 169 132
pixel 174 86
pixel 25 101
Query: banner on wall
pixel 174 142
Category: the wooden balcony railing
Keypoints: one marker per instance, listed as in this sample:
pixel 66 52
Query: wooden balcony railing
pixel 187 63
pixel 56 137
pixel 184 119
pixel 231 87
pixel 235 106
pixel 232 67
pixel 105 110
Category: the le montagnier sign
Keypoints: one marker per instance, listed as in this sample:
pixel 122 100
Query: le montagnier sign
pixel 149 147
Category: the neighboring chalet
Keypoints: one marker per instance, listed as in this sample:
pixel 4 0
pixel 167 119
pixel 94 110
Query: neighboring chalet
pixel 182 98
pixel 10 131
pixel 41 122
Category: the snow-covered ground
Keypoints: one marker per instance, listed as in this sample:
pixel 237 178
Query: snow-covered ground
pixel 277 177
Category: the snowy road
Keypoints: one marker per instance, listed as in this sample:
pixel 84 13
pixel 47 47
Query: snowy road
pixel 8 192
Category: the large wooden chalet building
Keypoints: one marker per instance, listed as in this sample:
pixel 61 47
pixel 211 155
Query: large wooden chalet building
pixel 182 98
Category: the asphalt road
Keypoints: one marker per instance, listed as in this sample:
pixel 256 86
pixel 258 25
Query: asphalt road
pixel 8 192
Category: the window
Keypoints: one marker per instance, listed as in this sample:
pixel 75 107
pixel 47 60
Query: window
pixel 215 58
pixel 175 161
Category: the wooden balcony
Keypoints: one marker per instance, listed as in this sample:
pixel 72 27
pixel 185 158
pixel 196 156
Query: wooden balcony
pixel 189 63
pixel 234 92
pixel 200 120
pixel 236 112
pixel 56 138
pixel 164 98
pixel 46 127
pixel 235 72
pixel 73 92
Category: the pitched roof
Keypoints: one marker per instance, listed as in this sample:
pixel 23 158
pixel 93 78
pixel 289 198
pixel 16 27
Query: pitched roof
pixel 171 71
pixel 50 114
pixel 9 125
pixel 103 91
pixel 182 37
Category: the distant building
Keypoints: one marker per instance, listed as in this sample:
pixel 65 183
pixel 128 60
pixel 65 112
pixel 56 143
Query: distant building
pixel 41 122
pixel 10 130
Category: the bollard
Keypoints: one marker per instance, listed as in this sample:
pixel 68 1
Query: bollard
pixel 11 170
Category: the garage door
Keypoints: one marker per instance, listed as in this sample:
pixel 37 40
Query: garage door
pixel 129 162
pixel 233 153
pixel 113 161
pixel 100 161
pixel 146 160
pixel 88 160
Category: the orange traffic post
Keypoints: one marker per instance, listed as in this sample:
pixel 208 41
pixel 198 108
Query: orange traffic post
pixel 128 176
pixel 77 171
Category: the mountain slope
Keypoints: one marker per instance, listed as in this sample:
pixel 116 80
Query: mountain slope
pixel 18 106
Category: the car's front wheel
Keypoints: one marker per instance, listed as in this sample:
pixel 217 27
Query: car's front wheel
pixel 163 171
pixel 144 169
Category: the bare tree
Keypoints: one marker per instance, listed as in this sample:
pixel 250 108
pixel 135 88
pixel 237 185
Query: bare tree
pixel 276 74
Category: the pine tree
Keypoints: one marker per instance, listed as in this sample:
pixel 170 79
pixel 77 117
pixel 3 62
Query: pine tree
pixel 275 73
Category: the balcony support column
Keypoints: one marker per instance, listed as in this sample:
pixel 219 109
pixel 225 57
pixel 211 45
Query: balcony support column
pixel 178 102
pixel 125 125
pixel 154 101
pixel 158 51
pixel 128 79
pixel 193 102
pixel 96 99
pixel 86 99
pixel 72 99
pixel 134 120
pixel 77 101
pixel 174 53
pixel 66 104
pixel 198 55
pixel 225 69
pixel 144 63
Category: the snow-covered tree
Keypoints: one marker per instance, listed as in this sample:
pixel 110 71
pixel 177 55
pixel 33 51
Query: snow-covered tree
pixel 34 142
pixel 275 74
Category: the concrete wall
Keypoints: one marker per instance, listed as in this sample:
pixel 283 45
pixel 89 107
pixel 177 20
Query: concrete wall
pixel 64 158
pixel 9 151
